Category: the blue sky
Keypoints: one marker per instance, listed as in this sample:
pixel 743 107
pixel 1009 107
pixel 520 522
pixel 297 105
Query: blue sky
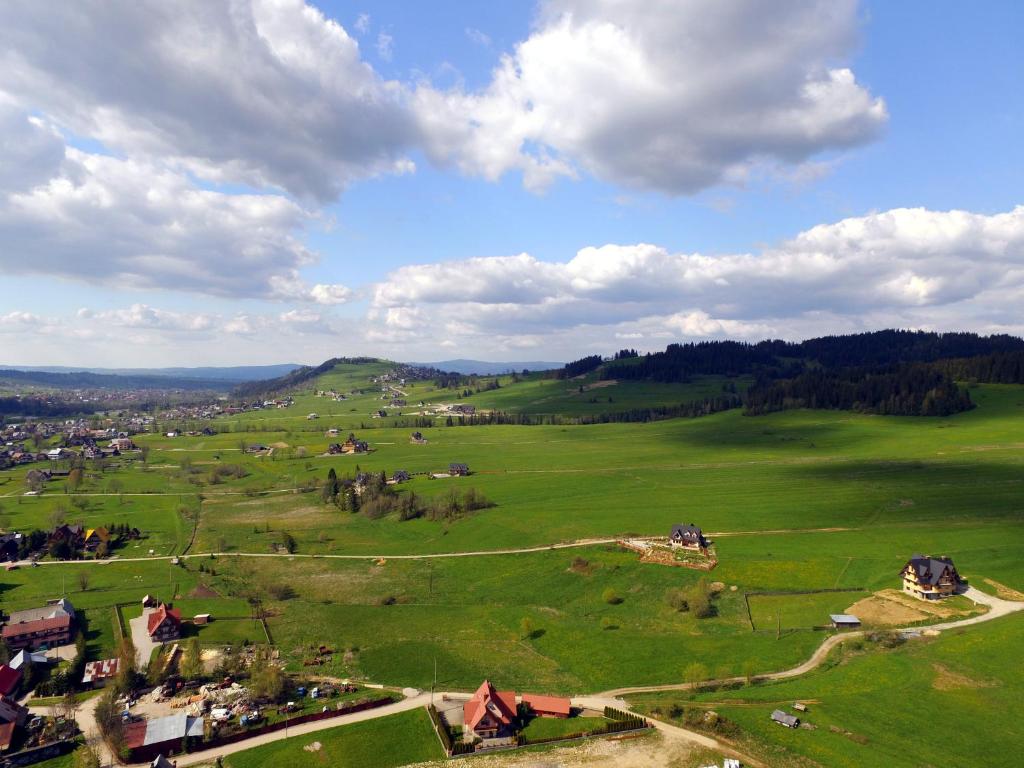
pixel 770 231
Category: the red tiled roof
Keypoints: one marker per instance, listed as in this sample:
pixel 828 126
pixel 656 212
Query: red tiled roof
pixel 9 679
pixel 160 615
pixel 40 625
pixel 500 704
pixel 554 705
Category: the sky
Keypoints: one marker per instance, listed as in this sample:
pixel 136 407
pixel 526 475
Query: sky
pixel 221 182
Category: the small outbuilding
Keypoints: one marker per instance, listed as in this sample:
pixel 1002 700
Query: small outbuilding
pixel 844 621
pixel 783 718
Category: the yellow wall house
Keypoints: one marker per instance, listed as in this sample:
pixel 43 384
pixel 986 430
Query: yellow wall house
pixel 930 578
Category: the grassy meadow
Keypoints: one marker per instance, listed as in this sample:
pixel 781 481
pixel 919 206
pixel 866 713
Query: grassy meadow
pixel 952 700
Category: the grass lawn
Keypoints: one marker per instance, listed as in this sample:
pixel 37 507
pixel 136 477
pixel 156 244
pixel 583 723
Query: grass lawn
pixel 796 611
pixel 551 727
pixel 395 740
pixel 886 707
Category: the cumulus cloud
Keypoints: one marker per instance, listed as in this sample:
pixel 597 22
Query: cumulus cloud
pixel 69 213
pixel 265 93
pixel 662 95
pixel 910 267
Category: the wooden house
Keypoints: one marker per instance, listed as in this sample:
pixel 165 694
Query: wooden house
pixel 164 623
pixel 490 713
pixel 930 578
pixel 457 469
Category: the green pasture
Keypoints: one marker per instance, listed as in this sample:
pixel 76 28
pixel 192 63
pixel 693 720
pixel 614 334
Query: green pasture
pixel 407 737
pixel 951 700
pixel 798 611
pixel 551 728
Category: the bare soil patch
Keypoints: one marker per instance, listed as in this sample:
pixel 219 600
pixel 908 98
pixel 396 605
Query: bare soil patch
pixel 948 680
pixel 203 591
pixel 1005 592
pixel 601 384
pixel 892 608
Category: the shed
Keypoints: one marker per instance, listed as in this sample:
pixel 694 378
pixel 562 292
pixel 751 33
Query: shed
pixel 844 621
pixel 785 719
pixel 201 618
pixel 800 706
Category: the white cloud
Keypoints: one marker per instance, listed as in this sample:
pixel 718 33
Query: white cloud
pixel 96 218
pixel 265 93
pixel 385 46
pixel 661 95
pixel 478 37
pixel 362 24
pixel 905 267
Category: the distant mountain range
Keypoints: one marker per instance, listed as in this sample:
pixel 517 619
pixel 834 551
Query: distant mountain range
pixel 484 368
pixel 229 374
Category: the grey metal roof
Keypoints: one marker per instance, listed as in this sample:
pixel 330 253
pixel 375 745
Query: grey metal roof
pixel 844 618
pixel 170 728
pixel 785 718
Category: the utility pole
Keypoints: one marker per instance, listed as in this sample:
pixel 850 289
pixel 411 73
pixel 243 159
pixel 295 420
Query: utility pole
pixel 778 625
pixel 433 685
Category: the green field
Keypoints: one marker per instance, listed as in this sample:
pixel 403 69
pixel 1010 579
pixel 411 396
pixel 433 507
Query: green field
pixel 798 611
pixel 794 501
pixel 877 707
pixel 385 742
pixel 551 728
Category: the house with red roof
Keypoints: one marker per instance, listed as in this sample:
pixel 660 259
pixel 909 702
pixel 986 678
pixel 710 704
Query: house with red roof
pixel 490 713
pixel 547 706
pixel 164 623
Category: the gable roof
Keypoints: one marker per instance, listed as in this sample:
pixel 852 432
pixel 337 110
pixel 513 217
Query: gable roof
pixel 39 625
pixel 930 570
pixel 161 615
pixel 501 705
pixel 553 704
pixel 690 531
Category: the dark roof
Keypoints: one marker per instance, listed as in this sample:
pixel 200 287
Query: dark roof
pixel 785 718
pixel 458 465
pixel 690 531
pixel 9 679
pixel 929 570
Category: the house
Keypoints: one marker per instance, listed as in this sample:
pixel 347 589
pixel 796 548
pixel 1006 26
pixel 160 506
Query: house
pixel 148 601
pixel 256 448
pixel 163 623
pixel 458 470
pixel 39 633
pixel 122 444
pixel 94 537
pixel 844 621
pixel 489 713
pixel 58 454
pixel 312 416
pixel 547 706
pixel 930 578
pixel 12 712
pixel 380 414
pixel 465 410
pixel 148 739
pixel 783 718
pixel 417 438
pixel 688 536
pixel 352 445
pixel 10 679
pixel 400 476
pixel 23 660
pixel 72 534
pixel 332 432
pixel 49 626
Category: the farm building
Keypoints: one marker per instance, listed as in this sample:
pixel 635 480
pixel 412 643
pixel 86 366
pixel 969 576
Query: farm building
pixel 148 739
pixel 400 476
pixel 930 578
pixel 163 623
pixel 352 445
pixel 547 706
pixel 689 536
pixel 782 718
pixel 97 673
pixel 458 469
pixel 844 621
pixel 417 438
pixel 490 713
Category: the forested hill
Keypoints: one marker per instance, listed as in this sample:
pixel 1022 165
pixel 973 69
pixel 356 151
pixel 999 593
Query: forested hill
pixel 890 372
pixel 86 380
